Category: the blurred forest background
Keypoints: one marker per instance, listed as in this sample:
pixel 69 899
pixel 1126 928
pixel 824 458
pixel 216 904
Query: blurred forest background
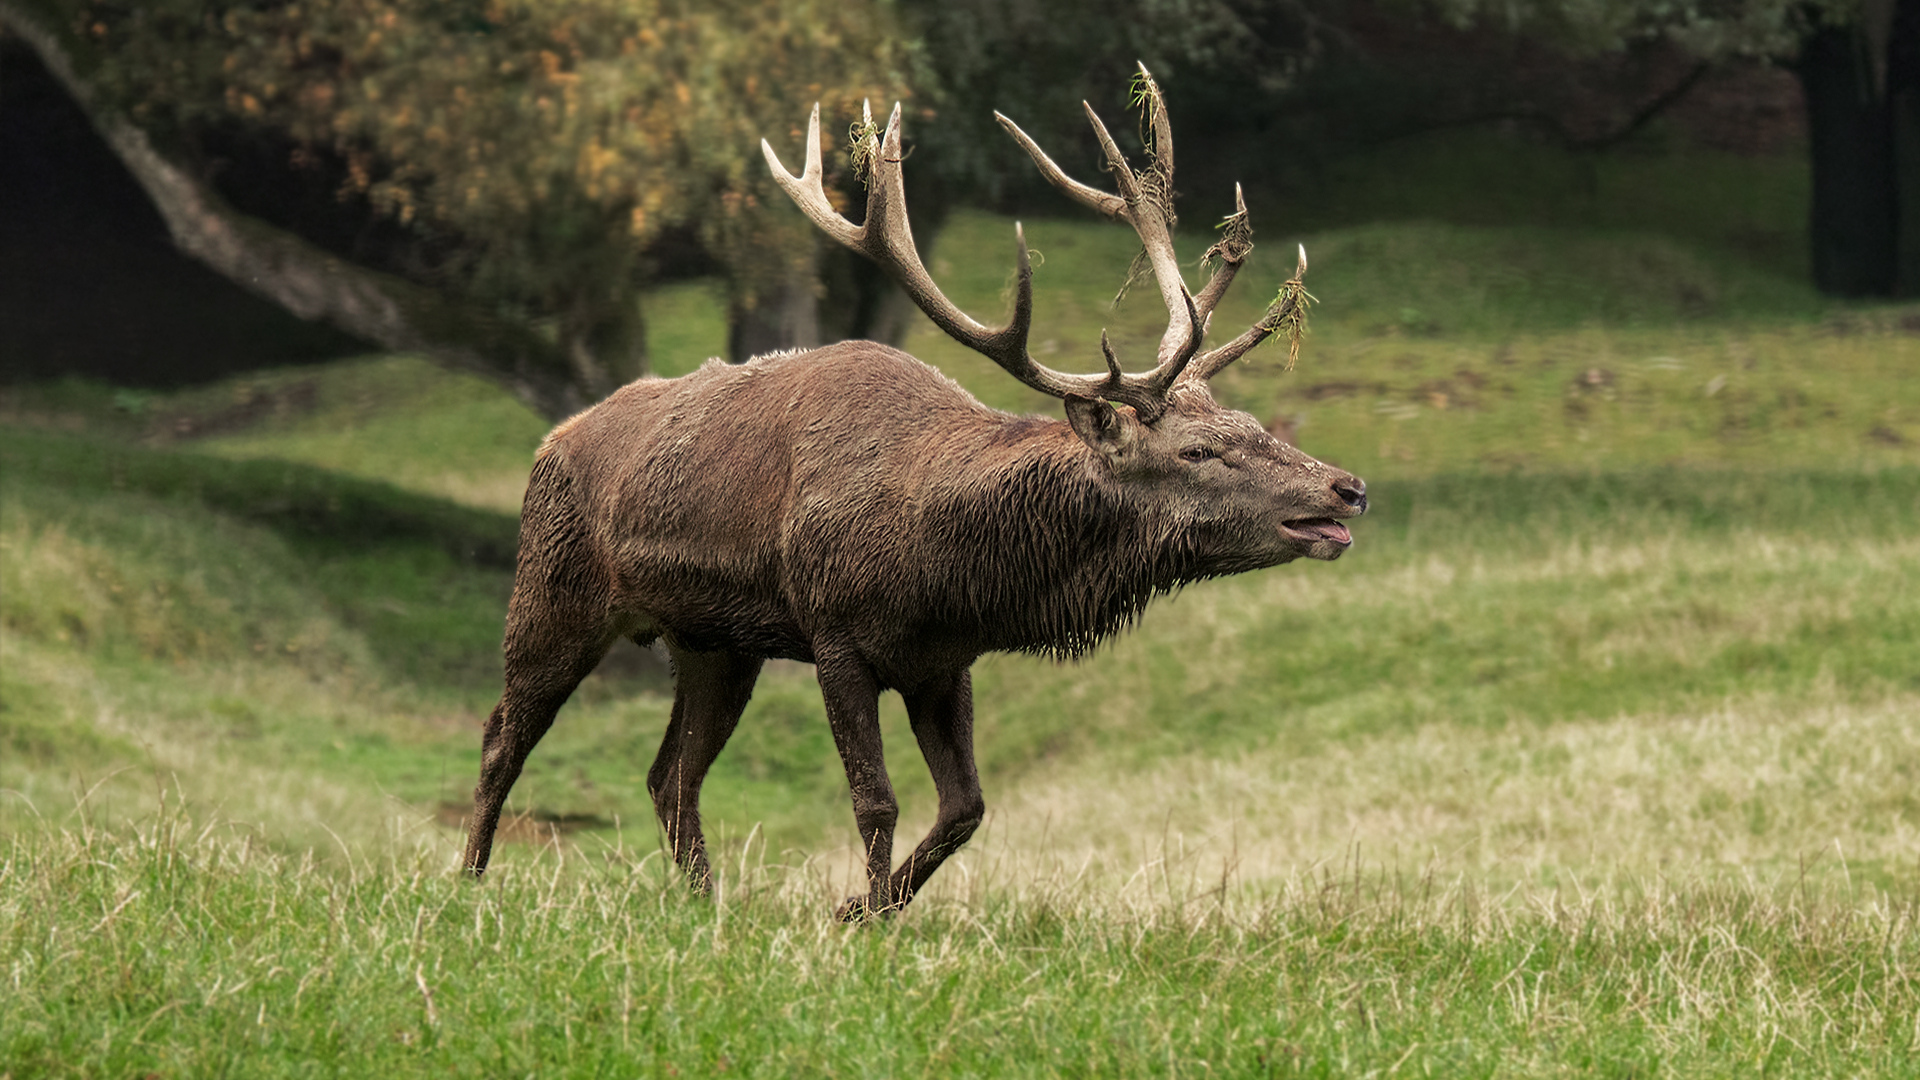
pixel 497 184
pixel 1596 755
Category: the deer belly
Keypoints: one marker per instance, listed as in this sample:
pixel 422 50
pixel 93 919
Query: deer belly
pixel 708 608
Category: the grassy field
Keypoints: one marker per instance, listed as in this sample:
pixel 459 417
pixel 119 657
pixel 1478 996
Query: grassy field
pixel 1598 755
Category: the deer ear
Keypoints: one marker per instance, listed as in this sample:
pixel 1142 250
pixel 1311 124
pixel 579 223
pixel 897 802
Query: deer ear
pixel 1101 426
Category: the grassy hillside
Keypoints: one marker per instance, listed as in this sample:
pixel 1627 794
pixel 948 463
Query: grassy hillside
pixel 1579 518
pixel 1595 754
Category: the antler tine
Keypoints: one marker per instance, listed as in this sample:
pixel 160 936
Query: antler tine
pixel 1232 257
pixel 889 234
pixel 1117 164
pixel 1211 362
pixel 1152 223
pixel 1162 127
pixel 1092 198
pixel 1168 372
pixel 806 189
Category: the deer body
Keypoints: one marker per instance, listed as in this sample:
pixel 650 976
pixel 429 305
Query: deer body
pixel 853 508
pixel 855 482
pixel 860 495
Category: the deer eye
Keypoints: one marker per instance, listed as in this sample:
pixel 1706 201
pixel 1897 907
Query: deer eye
pixel 1197 453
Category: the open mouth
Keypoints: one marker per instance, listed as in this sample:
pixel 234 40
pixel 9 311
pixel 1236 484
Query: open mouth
pixel 1314 530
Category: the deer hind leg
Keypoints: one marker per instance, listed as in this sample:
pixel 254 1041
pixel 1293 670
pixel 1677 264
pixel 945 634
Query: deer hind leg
pixel 942 718
pixel 853 712
pixel 710 692
pixel 557 631
pixel 540 676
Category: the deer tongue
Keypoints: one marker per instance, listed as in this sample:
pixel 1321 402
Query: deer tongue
pixel 1311 529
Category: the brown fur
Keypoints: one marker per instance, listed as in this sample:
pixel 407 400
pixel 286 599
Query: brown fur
pixel 851 507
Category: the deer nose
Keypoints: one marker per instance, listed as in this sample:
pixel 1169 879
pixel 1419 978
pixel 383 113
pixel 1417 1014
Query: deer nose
pixel 1352 491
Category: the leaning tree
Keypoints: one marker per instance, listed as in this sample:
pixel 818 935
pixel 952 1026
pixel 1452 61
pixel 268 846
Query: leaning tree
pixel 491 182
pixel 521 169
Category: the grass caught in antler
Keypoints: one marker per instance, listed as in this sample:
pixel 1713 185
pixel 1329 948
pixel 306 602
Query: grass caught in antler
pixel 1235 242
pixel 863 142
pixel 1288 315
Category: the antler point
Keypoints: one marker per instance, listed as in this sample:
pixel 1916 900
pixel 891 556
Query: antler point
pixel 1114 375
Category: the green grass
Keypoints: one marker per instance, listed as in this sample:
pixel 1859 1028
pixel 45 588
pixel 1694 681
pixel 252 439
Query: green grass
pixel 187 948
pixel 1596 755
pixel 1729 208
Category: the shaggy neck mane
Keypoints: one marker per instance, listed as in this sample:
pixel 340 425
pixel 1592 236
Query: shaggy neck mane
pixel 1034 552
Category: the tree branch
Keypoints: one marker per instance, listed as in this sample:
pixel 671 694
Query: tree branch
pixel 1547 121
pixel 1666 99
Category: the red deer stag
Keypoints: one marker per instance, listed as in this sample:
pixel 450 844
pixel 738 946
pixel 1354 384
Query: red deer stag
pixel 852 508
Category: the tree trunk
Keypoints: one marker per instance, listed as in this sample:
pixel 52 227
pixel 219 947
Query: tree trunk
pixel 861 302
pixel 1903 99
pixel 786 316
pixel 1855 214
pixel 604 337
pixel 847 297
pixel 314 284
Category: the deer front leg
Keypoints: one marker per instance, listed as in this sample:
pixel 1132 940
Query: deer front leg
pixel 852 698
pixel 942 716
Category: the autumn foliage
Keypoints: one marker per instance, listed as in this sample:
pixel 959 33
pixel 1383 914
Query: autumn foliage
pixel 543 146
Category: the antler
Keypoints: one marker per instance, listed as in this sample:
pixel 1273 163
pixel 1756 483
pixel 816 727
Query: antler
pixel 1144 201
pixel 1151 217
pixel 1209 363
pixel 887 239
